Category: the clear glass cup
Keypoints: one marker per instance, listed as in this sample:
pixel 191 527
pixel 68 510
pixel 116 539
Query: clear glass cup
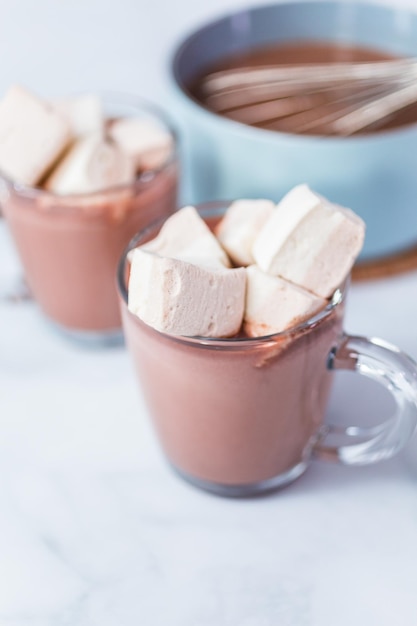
pixel 241 416
pixel 70 245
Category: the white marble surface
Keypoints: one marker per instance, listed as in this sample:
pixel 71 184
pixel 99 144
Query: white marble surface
pixel 94 529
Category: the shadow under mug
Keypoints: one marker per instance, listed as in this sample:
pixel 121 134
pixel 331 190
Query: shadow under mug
pixel 242 416
pixel 70 245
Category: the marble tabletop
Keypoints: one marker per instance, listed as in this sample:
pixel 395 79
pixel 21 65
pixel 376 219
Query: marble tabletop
pixel 95 530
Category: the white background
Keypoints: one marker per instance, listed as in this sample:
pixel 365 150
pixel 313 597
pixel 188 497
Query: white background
pixel 94 529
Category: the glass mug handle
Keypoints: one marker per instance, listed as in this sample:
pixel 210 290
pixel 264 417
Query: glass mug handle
pixel 386 364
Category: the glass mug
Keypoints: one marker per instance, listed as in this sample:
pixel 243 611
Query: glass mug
pixel 70 245
pixel 241 416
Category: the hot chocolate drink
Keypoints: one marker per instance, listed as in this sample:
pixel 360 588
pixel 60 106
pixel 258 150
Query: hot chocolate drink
pixel 240 410
pixel 301 53
pixel 70 246
pixel 230 411
pixel 236 412
pixel 110 169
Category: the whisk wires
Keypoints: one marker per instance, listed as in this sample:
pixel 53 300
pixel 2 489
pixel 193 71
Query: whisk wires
pixel 342 97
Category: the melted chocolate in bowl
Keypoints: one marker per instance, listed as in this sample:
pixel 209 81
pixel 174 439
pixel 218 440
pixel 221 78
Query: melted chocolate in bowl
pixel 302 53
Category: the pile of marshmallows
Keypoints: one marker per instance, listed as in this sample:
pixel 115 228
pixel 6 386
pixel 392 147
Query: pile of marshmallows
pixel 288 260
pixel 68 147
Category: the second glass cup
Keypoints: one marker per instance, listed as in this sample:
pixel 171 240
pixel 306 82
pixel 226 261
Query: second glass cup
pixel 70 245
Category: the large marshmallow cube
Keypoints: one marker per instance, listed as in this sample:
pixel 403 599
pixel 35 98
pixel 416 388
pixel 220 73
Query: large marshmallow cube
pixel 91 164
pixel 147 144
pixel 239 227
pixel 274 305
pixel 84 114
pixel 32 136
pixel 186 236
pixel 181 298
pixel 309 241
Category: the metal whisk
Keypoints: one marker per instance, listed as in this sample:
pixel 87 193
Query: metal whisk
pixel 342 97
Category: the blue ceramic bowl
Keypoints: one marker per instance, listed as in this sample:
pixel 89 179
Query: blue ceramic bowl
pixel 375 174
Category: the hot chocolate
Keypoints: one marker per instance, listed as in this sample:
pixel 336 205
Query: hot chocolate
pixel 302 53
pixel 242 415
pixel 70 246
pixel 71 228
pixel 236 412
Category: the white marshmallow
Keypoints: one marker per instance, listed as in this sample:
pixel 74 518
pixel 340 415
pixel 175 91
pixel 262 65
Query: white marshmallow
pixel 32 136
pixel 90 165
pixel 84 114
pixel 309 241
pixel 181 298
pixel 186 236
pixel 274 304
pixel 147 144
pixel 239 227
